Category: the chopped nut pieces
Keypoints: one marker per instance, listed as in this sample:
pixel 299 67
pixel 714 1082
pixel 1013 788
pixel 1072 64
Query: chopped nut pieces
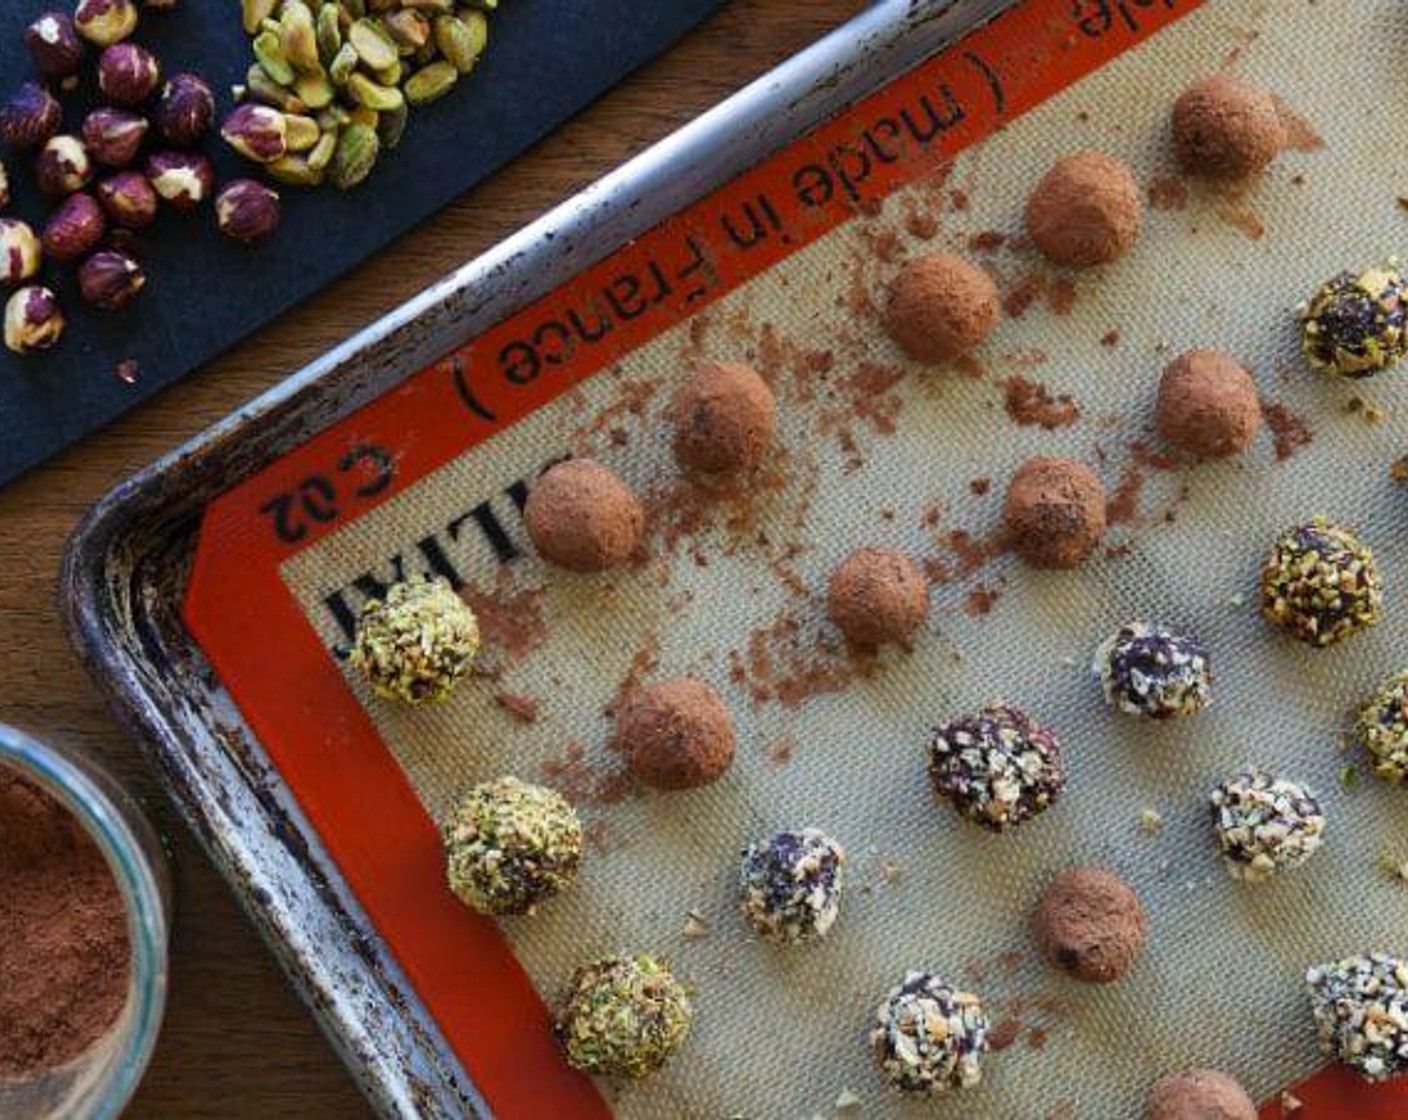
pixel 415 645
pixel 623 1017
pixel 1264 824
pixel 929 1038
pixel 1360 1005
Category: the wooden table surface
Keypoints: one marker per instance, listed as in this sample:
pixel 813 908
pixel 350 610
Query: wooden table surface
pixel 237 1042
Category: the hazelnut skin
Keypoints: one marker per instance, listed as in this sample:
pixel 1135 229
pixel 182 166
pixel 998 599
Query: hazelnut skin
pixel 257 132
pixel 186 108
pixel 33 320
pixel 54 46
pixel 20 252
pixel 110 280
pixel 29 117
pixel 183 179
pixel 247 211
pixel 74 228
pixel 62 166
pixel 105 22
pixel 128 199
pixel 128 74
pixel 113 136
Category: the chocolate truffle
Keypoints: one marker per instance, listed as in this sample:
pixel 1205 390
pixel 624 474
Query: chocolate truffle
pixel 1199 1094
pixel 1321 583
pixel 1054 513
pixel 1208 405
pixel 790 885
pixel 1227 127
pixel 1354 326
pixel 583 517
pixel 1264 824
pixel 1382 729
pixel 998 768
pixel 941 306
pixel 878 597
pixel 929 1038
pixel 676 734
pixel 1085 211
pixel 414 645
pixel 1153 672
pixel 1090 924
pixel 510 845
pixel 1360 1006
pixel 623 1017
pixel 725 417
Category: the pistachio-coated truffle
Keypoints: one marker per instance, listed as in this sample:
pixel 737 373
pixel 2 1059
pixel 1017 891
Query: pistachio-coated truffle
pixel 1091 925
pixel 997 768
pixel 1086 211
pixel 414 645
pixel 1354 326
pixel 1382 729
pixel 1265 825
pixel 623 1017
pixel 583 517
pixel 1199 1094
pixel 510 845
pixel 1360 1006
pixel 1227 127
pixel 1153 672
pixel 676 735
pixel 790 885
pixel 929 1038
pixel 1321 584
pixel 1208 405
pixel 878 597
pixel 1054 513
pixel 941 307
pixel 725 417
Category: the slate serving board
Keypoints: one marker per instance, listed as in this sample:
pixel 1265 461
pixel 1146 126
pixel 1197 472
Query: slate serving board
pixel 547 60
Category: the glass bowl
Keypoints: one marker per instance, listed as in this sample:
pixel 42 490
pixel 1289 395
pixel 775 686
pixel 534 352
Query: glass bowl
pixel 101 1080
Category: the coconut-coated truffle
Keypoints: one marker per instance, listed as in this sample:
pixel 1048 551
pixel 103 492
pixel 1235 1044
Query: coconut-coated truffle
pixel 1199 1094
pixel 725 417
pixel 941 307
pixel 1382 729
pixel 623 1017
pixel 790 885
pixel 416 643
pixel 1090 924
pixel 1264 824
pixel 676 734
pixel 1321 583
pixel 1153 672
pixel 1355 326
pixel 1086 210
pixel 1360 1005
pixel 510 845
pixel 929 1038
pixel 1227 127
pixel 1208 405
pixel 583 517
pixel 878 597
pixel 1054 513
pixel 997 768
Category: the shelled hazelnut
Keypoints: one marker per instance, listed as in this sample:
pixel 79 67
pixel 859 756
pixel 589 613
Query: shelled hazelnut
pixel 182 179
pixel 186 108
pixel 113 136
pixel 257 132
pixel 29 117
pixel 20 252
pixel 62 166
pixel 128 74
pixel 33 320
pixel 105 22
pixel 110 280
pixel 54 47
pixel 74 228
pixel 129 199
pixel 4 187
pixel 247 211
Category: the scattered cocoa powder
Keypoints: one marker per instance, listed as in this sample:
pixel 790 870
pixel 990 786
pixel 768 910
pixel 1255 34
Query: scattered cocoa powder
pixel 1110 338
pixel 1030 403
pixel 511 622
pixel 1289 432
pixel 987 241
pixel 582 782
pixel 1301 135
pixel 1004 1034
pixel 1168 192
pixel 1123 506
pixel 980 486
pixel 981 601
pixel 524 707
pixel 1061 296
pixel 1027 291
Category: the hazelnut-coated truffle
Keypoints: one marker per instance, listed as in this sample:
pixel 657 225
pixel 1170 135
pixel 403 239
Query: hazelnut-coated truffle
pixel 725 417
pixel 676 735
pixel 789 885
pixel 1208 405
pixel 878 597
pixel 414 645
pixel 1087 210
pixel 583 517
pixel 940 307
pixel 1091 925
pixel 1055 512
pixel 1264 824
pixel 1153 672
pixel 1360 1005
pixel 1321 584
pixel 998 768
pixel 1199 1094
pixel 1226 127
pixel 623 1017
pixel 929 1037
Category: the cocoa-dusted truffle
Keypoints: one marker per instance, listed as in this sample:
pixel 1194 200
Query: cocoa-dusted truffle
pixel 929 1037
pixel 1199 1094
pixel 1090 924
pixel 1382 729
pixel 1360 1006
pixel 415 645
pixel 725 417
pixel 1321 583
pixel 878 597
pixel 583 517
pixel 1055 512
pixel 1227 127
pixel 623 1017
pixel 1151 671
pixel 997 768
pixel 790 885
pixel 941 306
pixel 1087 210
pixel 1356 326
pixel 676 734
pixel 1208 405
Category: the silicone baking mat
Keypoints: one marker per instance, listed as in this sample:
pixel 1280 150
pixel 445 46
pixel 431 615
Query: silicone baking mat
pixel 782 268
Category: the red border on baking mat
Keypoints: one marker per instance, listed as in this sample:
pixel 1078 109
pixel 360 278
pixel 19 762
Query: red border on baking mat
pixel 288 685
